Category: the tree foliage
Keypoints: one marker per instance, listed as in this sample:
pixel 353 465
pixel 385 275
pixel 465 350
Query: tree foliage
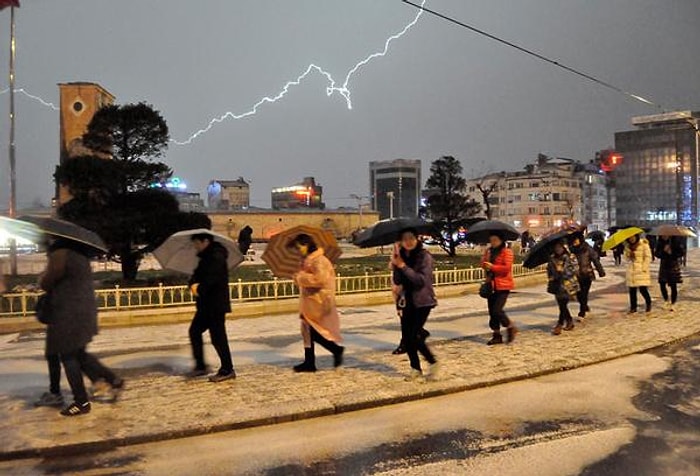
pixel 113 197
pixel 449 206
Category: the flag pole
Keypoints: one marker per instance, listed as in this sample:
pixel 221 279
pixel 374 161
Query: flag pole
pixel 13 172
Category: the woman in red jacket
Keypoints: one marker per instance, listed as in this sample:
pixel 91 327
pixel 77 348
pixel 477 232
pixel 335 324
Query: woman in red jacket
pixel 498 264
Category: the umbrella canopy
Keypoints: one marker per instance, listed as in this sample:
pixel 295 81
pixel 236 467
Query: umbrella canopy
pixel 285 261
pixel 178 254
pixel 620 237
pixel 67 230
pixel 596 235
pixel 387 232
pixel 543 249
pixel 480 232
pixel 672 230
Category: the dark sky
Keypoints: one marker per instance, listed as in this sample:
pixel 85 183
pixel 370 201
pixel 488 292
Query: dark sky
pixel 440 90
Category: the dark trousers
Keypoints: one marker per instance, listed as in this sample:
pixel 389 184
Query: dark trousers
pixel 582 294
pixel 497 316
pixel 674 291
pixel 564 313
pixel 330 346
pixel 81 362
pixel 412 323
pixel 644 291
pixel 216 325
pixel 54 362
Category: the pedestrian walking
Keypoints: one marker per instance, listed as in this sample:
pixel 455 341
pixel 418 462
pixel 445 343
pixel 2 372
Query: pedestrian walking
pixel 618 252
pixel 209 285
pixel 638 256
pixel 320 323
pixel 669 251
pixel 562 271
pixel 588 264
pixel 498 264
pixel 245 239
pixel 412 267
pixel 72 324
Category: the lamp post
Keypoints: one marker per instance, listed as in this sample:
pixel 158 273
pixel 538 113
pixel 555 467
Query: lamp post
pixel 390 196
pixel 13 172
pixel 359 206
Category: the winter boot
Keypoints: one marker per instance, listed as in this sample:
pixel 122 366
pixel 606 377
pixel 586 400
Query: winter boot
pixel 556 330
pixel 511 332
pixel 309 364
pixel 496 339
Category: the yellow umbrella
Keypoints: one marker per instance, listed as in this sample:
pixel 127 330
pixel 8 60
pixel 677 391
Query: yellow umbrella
pixel 620 237
pixel 285 261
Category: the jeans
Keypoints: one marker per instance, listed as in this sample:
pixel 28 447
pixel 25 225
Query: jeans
pixel 582 295
pixel 644 291
pixel 497 316
pixel 78 363
pixel 564 313
pixel 412 322
pixel 674 291
pixel 216 324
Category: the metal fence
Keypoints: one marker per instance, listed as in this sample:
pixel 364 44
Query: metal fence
pixel 117 298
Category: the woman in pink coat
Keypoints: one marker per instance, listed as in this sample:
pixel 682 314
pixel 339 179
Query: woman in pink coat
pixel 319 316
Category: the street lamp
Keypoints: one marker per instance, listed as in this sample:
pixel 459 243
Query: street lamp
pixel 359 205
pixel 390 196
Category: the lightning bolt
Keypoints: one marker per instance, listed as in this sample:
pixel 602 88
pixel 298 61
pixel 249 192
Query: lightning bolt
pixel 331 89
pixel 32 97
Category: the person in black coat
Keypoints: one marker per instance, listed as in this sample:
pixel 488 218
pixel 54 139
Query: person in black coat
pixel 588 265
pixel 209 284
pixel 245 239
pixel 670 253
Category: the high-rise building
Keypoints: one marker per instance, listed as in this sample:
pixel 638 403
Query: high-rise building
pixel 228 194
pixel 657 181
pixel 307 194
pixel 79 101
pixel 395 187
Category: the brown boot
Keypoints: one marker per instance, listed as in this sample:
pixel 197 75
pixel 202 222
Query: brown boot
pixel 512 331
pixel 556 330
pixel 569 326
pixel 496 339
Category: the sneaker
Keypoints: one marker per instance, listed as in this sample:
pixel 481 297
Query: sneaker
pixel 197 373
pixel 433 372
pixel 221 376
pixel 400 350
pixel 49 399
pixel 556 330
pixel 104 392
pixel 76 409
pixel 414 376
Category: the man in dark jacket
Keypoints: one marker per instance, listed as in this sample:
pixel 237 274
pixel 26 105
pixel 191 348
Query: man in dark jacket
pixel 245 239
pixel 588 264
pixel 209 284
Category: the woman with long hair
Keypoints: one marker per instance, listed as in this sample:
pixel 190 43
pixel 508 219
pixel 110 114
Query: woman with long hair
pixel 319 316
pixel 638 256
pixel 413 271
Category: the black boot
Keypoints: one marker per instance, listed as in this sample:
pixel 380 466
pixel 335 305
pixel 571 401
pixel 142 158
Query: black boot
pixel 338 356
pixel 400 349
pixel 496 339
pixel 309 364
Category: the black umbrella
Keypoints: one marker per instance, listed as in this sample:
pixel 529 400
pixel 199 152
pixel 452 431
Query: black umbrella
pixel 596 235
pixel 65 229
pixel 387 232
pixel 480 232
pixel 543 249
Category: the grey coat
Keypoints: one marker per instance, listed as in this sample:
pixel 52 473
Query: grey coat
pixel 417 278
pixel 72 305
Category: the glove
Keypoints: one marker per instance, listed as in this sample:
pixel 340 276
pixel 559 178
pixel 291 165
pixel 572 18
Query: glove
pixel 194 288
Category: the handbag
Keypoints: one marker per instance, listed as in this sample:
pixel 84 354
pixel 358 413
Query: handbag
pixel 486 288
pixel 43 309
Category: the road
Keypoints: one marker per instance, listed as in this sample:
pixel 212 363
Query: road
pixel 634 416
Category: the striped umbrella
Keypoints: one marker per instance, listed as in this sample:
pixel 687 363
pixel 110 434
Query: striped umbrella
pixel 285 261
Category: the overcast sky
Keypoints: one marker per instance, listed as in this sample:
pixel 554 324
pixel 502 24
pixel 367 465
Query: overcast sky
pixel 441 90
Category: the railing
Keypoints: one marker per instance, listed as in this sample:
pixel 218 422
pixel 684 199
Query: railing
pixel 117 298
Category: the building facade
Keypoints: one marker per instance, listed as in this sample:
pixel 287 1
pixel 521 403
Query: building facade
pixel 307 194
pixel 228 194
pixel 547 194
pixel 657 181
pixel 395 187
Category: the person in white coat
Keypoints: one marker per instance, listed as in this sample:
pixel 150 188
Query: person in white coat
pixel 638 257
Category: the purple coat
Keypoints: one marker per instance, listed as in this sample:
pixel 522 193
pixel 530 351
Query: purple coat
pixel 417 279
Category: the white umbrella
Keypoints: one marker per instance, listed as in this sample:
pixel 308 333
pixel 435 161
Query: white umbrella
pixel 177 253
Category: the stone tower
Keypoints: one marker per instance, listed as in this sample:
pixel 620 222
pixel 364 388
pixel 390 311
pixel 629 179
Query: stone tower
pixel 78 104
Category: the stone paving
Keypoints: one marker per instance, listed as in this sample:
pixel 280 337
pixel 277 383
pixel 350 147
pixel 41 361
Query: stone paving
pixel 160 404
